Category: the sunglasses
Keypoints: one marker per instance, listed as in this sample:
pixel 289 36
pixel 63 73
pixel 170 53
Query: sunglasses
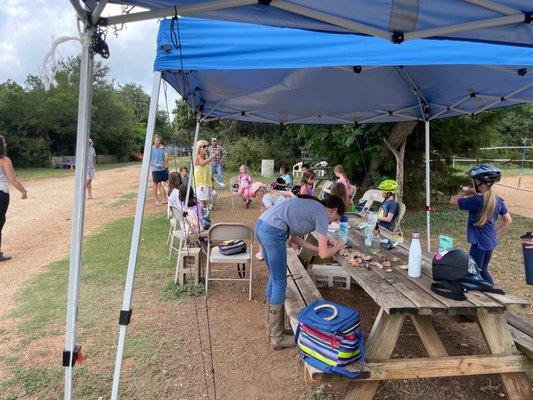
pixel 205 146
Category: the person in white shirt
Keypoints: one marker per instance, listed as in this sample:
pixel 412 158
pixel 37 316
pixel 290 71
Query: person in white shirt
pixel 91 170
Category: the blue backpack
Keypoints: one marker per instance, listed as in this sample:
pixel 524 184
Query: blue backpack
pixel 329 338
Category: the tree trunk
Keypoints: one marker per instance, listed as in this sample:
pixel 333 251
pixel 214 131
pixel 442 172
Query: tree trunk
pixel 396 139
pixel 399 155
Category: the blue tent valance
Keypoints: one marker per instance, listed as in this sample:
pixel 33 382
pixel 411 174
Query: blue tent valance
pixel 280 75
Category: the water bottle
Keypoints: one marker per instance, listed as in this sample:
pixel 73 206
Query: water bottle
pixel 415 257
pixel 376 239
pixel 343 229
pixel 369 227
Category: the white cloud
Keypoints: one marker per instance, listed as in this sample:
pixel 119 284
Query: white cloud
pixel 27 28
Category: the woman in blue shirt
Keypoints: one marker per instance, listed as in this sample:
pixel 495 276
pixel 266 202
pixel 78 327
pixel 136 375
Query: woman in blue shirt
pixel 483 208
pixel 292 219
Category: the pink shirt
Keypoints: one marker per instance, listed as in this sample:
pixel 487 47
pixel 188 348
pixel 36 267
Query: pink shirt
pixel 245 180
pixel 346 183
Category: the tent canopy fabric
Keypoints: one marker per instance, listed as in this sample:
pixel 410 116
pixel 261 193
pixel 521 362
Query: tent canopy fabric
pixel 267 74
pixel 496 21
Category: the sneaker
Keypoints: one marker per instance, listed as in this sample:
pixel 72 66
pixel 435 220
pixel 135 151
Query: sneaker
pixel 4 257
pixel 260 256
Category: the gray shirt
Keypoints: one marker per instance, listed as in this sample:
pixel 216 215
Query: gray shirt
pixel 298 217
pixel 91 153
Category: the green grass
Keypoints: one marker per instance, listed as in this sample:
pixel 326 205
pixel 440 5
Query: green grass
pixel 41 312
pixel 122 200
pixel 511 169
pixel 180 293
pixel 25 174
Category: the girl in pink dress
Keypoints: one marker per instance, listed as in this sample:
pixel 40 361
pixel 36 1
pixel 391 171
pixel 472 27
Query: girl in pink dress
pixel 341 178
pixel 245 183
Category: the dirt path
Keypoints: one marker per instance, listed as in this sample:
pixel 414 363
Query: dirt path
pixel 37 231
pixel 518 201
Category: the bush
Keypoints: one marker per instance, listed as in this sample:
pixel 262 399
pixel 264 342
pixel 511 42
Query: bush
pixel 29 152
pixel 250 152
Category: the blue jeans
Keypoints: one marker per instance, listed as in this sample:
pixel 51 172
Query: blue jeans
pixel 273 243
pixel 482 258
pixel 216 172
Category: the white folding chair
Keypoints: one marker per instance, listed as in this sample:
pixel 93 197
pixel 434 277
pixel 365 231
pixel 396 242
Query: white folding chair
pixel 181 232
pixel 229 231
pixel 233 189
pixel 370 197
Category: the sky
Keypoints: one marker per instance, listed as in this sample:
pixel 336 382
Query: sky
pixel 27 28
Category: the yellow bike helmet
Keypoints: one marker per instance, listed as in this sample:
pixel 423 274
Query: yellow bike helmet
pixel 389 186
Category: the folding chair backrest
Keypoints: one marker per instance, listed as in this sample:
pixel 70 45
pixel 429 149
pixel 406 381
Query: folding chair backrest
pixel 230 231
pixel 177 214
pixel 354 191
pixel 399 218
pixel 234 183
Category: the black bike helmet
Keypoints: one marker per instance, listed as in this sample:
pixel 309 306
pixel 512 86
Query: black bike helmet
pixel 486 173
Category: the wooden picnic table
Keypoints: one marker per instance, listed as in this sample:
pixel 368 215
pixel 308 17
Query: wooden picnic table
pixel 399 296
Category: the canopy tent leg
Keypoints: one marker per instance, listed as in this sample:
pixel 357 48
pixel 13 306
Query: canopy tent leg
pixel 428 187
pixel 71 350
pixel 125 313
pixel 191 177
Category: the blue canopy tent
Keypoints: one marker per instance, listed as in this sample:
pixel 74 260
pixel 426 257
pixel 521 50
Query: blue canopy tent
pixel 399 21
pixel 267 74
pixel 496 21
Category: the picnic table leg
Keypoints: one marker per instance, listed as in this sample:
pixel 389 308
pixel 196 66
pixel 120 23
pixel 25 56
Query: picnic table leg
pixel 379 346
pixel 500 341
pixel 431 341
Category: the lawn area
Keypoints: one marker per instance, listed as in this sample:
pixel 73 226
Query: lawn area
pixel 25 174
pixel 34 369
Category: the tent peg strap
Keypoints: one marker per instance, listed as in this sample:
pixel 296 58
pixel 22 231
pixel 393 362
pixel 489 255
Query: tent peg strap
pixel 125 317
pixel 70 358
pixel 528 17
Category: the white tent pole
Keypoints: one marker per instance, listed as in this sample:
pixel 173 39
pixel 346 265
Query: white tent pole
pixel 125 313
pixel 189 185
pixel 70 352
pixel 183 11
pixel 428 187
pixel 193 148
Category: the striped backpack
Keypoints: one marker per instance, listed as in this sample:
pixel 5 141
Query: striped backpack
pixel 329 338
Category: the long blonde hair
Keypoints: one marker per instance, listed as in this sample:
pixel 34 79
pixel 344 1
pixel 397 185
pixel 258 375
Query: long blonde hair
pixel 489 206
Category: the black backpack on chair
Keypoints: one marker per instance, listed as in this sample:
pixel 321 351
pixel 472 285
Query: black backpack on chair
pixel 455 273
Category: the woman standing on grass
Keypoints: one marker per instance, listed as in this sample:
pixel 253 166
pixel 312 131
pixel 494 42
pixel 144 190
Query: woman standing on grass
pixel 483 208
pixel 202 173
pixel 292 218
pixel 7 174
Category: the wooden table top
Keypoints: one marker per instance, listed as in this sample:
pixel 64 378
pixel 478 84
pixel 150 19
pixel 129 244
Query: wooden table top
pixel 397 293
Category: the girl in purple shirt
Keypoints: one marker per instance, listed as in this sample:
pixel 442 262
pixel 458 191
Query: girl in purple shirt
pixel 483 208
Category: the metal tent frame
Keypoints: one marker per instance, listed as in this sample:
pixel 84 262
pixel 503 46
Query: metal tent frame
pixel 90 15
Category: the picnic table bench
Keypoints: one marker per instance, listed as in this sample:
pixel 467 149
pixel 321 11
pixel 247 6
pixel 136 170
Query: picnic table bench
pixel 400 297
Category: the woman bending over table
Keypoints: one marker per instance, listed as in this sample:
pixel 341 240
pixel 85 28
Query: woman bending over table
pixel 292 219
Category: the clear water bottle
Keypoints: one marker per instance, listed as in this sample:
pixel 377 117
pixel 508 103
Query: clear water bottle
pixel 369 229
pixel 343 229
pixel 414 269
pixel 376 239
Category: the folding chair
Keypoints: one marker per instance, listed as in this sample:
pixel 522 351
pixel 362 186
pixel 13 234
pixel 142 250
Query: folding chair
pixel 233 187
pixel 370 197
pixel 397 224
pixel 181 232
pixel 229 231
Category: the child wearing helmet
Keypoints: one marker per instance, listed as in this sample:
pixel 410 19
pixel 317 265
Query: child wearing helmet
pixel 483 208
pixel 389 208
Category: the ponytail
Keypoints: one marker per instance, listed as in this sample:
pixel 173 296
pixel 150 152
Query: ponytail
pixel 328 202
pixel 489 206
